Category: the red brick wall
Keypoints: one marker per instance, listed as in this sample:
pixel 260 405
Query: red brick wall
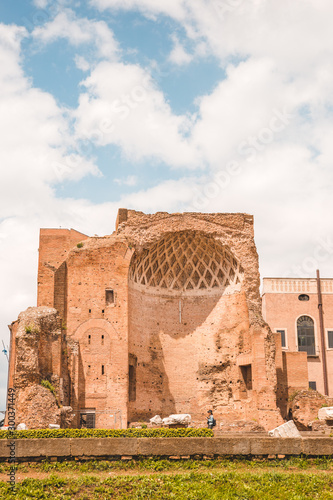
pixel 168 348
pixel 54 246
pixel 90 271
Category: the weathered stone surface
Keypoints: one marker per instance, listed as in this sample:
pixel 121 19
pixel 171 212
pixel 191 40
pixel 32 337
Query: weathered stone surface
pixel 34 448
pixel 104 447
pixel 287 429
pixel 93 447
pixel 325 413
pixel 26 449
pixel 276 446
pixel 317 446
pixel 37 406
pixel 240 426
pixel 173 446
pixel 37 347
pixel 305 407
pixel 229 446
pixel 322 426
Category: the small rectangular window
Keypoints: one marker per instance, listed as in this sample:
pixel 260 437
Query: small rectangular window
pixel 247 376
pixel 283 337
pixel 330 339
pixel 132 383
pixel 313 385
pixel 109 297
pixel 102 339
pixel 87 419
pixel 102 369
pixel 89 339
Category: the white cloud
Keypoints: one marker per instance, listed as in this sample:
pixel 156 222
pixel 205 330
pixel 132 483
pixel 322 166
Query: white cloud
pixel 10 71
pixel 32 119
pixel 41 4
pixel 122 106
pixel 296 35
pixel 82 63
pixel 79 31
pixel 173 8
pixel 178 55
pixel 130 180
pixel 242 107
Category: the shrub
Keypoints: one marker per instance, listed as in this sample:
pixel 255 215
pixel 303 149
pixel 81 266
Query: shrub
pixel 31 329
pixel 293 396
pixel 80 245
pixel 49 386
pixel 106 433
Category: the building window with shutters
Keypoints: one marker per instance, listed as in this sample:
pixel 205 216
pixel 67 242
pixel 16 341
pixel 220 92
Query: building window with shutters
pixel 306 335
pixel 283 333
pixel 330 339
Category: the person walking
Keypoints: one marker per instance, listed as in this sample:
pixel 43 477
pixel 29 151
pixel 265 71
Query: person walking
pixel 210 420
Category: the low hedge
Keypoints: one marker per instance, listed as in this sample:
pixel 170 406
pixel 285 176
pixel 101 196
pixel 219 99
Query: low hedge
pixel 106 433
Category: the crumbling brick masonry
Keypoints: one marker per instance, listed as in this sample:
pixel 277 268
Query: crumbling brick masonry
pixel 163 316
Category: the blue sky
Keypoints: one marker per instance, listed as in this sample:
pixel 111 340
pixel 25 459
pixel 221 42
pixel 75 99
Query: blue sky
pixel 145 42
pixel 175 105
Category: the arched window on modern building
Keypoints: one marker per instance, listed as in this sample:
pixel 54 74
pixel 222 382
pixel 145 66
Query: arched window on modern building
pixel 306 335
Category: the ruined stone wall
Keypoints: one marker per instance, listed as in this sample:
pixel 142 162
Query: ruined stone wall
pixel 37 342
pixel 219 354
pixel 304 408
pixel 145 338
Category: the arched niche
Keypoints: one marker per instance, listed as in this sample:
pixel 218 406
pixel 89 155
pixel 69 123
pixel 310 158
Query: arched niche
pixel 176 286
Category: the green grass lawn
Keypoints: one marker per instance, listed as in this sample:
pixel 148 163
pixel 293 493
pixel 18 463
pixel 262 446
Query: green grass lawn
pixel 294 479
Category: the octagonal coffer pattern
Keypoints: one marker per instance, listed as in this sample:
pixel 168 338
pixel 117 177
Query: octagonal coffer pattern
pixel 186 262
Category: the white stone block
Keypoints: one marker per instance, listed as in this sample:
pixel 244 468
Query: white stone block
pixel 156 420
pixel 21 427
pixel 54 426
pixel 325 413
pixel 181 418
pixel 288 429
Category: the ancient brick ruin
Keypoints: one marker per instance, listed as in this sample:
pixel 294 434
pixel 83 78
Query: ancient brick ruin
pixel 163 316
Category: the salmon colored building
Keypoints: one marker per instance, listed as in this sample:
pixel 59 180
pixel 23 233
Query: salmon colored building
pixel 290 307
